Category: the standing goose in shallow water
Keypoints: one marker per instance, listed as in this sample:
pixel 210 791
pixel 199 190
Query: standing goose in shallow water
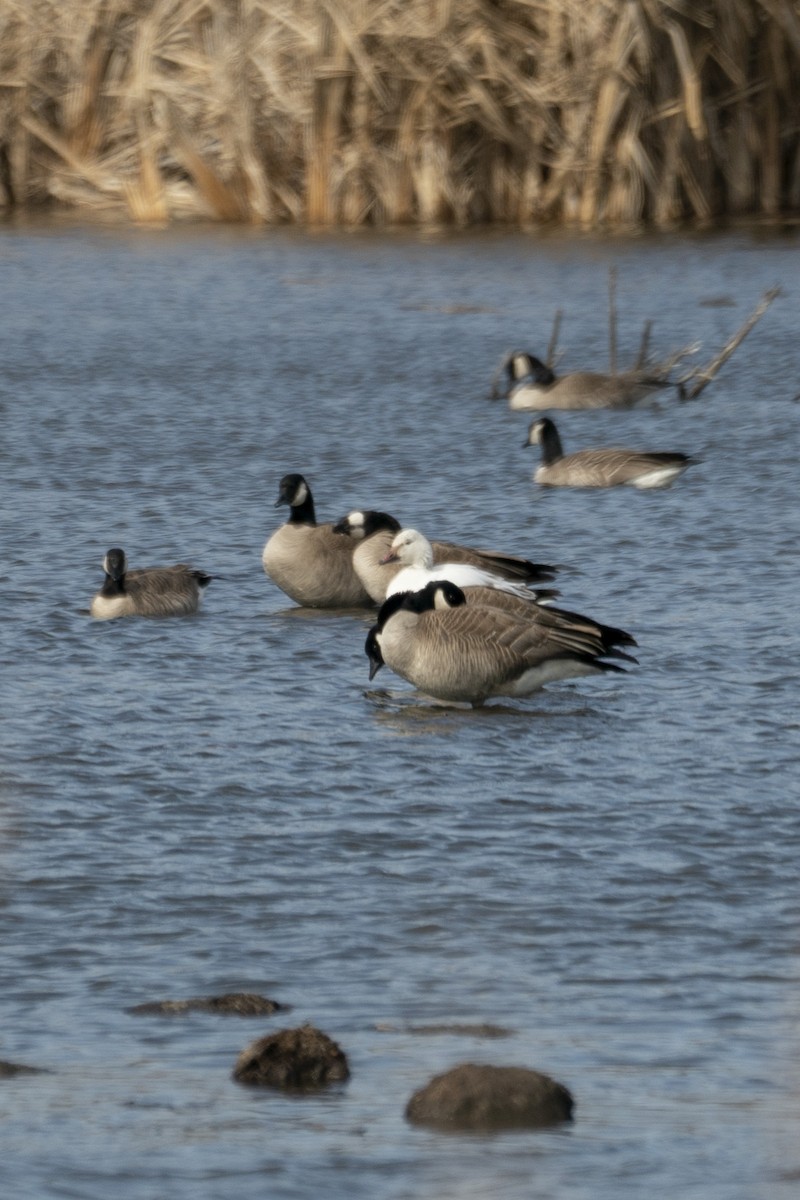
pixel 414 553
pixel 373 534
pixel 309 562
pixel 601 468
pixel 147 592
pixel 532 385
pixel 458 652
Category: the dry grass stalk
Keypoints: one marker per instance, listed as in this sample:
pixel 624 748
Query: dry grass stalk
pixel 704 375
pixel 385 111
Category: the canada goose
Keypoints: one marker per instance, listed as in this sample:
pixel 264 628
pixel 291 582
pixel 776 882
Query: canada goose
pixel 532 385
pixel 148 592
pixel 601 468
pixel 308 561
pixel 374 532
pixel 458 652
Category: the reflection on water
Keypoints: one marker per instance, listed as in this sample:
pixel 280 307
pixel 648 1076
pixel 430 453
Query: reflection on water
pixel 606 870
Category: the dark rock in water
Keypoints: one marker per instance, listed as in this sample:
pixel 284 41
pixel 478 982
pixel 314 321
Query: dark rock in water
pixel 480 1031
pixel 245 1004
pixel 295 1059
pixel 9 1069
pixel 241 1004
pixel 483 1098
pixel 484 1030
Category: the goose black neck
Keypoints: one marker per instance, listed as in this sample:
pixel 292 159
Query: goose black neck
pixel 113 587
pixel 303 514
pixel 542 374
pixel 389 607
pixel 552 449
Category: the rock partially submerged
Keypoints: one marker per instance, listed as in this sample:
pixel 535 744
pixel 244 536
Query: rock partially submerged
pixel 301 1059
pixel 240 1004
pixel 484 1030
pixel 484 1098
pixel 9 1069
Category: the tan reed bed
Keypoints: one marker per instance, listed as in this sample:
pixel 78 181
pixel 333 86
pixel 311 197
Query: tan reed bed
pixel 591 113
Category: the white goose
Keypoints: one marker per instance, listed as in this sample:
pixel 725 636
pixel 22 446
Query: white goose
pixel 414 552
pixel 373 532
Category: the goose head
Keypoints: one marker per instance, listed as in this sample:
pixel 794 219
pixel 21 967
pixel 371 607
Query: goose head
pixel 293 490
pixel 527 366
pixel 373 652
pixel 437 595
pixel 359 525
pixel 542 432
pixel 520 365
pixel 411 549
pixel 115 564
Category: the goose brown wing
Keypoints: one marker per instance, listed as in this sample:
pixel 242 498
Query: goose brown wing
pixel 606 638
pixel 498 646
pixel 161 581
pixel 156 591
pixel 508 566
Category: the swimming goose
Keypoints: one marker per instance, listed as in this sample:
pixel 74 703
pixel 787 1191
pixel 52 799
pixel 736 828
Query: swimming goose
pixel 414 553
pixel 373 533
pixel 601 468
pixel 459 652
pixel 308 561
pixel 532 385
pixel 147 592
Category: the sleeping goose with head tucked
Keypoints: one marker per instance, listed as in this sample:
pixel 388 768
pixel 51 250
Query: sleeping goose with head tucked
pixel 607 467
pixel 463 653
pixel 147 592
pixel 414 553
pixel 309 562
pixel 532 385
pixel 373 534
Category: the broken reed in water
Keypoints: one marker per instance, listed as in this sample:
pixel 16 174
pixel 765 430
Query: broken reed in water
pixel 602 113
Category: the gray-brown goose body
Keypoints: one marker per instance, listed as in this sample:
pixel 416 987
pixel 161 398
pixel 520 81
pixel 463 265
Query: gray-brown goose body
pixel 463 653
pixel 373 533
pixel 604 467
pixel 606 639
pixel 309 562
pixel 532 385
pixel 147 592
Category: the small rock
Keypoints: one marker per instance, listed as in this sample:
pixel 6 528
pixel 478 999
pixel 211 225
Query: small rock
pixel 484 1098
pixel 9 1069
pixel 484 1030
pixel 295 1059
pixel 241 1004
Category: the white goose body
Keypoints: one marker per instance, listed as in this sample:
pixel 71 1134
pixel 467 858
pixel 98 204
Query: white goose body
pixel 415 554
pixel 309 562
pixel 461 653
pixel 147 592
pixel 605 467
pixel 533 386
pixel 374 532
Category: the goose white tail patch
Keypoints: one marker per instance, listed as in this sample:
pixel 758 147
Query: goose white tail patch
pixel 659 477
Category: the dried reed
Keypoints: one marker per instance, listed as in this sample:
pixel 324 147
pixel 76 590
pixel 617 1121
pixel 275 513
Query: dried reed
pixel 610 113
